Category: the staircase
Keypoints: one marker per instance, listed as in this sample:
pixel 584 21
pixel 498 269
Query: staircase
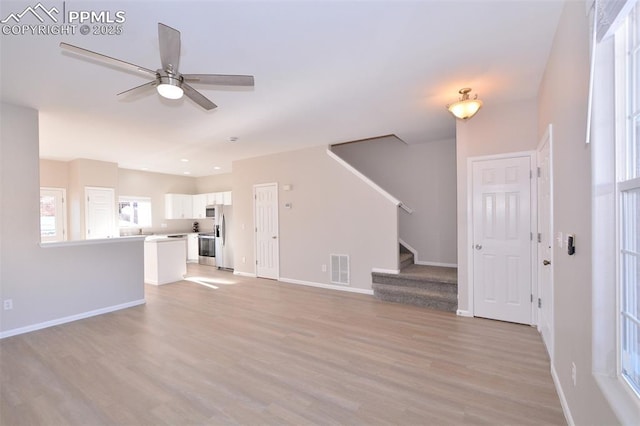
pixel 433 287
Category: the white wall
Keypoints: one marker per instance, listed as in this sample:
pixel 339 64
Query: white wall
pixel 214 183
pixel 332 211
pixel 496 129
pixel 563 102
pixel 423 176
pixel 155 185
pixel 57 282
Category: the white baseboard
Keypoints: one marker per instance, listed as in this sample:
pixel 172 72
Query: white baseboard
pixel 408 247
pixel 244 274
pixel 463 313
pixel 446 265
pixel 563 399
pixel 327 286
pixel 386 271
pixel 71 318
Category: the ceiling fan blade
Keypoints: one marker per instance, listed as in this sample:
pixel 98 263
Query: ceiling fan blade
pixel 139 89
pixel 169 39
pixel 198 97
pixel 107 59
pixel 220 79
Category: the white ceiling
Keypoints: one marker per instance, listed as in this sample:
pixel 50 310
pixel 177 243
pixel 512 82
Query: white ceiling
pixel 325 72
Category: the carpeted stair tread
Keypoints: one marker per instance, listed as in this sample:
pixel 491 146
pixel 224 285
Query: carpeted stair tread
pixel 425 273
pixel 434 287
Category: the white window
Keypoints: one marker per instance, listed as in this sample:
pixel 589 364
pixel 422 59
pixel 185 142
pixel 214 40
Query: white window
pixel 628 186
pixel 52 214
pixel 134 212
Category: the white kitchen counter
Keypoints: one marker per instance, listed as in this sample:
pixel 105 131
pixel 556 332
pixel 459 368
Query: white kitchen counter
pixel 164 259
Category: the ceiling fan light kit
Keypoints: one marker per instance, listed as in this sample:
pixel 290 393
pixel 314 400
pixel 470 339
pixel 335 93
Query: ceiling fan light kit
pixel 170 88
pixel 169 83
pixel 465 108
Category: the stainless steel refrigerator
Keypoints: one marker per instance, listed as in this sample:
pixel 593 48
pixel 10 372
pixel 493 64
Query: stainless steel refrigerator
pixel 224 244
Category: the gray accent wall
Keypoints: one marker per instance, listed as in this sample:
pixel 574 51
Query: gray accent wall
pixel 52 282
pixel 563 102
pixel 332 212
pixel 423 176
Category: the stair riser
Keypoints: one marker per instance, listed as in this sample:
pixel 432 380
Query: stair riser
pixel 407 262
pixel 428 285
pixel 424 302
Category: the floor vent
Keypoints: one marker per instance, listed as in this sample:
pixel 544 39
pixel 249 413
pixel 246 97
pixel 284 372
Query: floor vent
pixel 340 269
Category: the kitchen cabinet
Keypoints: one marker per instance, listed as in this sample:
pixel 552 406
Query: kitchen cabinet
pixel 212 198
pixel 192 248
pixel 226 198
pixel 164 260
pixel 200 203
pixel 178 206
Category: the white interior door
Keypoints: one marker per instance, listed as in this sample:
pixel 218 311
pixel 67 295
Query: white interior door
pixel 266 219
pixel 53 218
pixel 545 242
pixel 100 213
pixel 502 239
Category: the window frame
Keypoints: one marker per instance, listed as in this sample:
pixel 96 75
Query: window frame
pixel 138 199
pixel 626 179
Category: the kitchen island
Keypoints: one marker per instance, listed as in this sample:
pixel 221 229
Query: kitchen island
pixel 165 259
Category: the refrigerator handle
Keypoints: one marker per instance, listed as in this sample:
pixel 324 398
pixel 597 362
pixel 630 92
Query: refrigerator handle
pixel 223 230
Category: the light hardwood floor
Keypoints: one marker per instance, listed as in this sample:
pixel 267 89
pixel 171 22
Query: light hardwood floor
pixel 248 351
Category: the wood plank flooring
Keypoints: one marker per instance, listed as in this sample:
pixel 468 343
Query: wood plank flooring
pixel 246 351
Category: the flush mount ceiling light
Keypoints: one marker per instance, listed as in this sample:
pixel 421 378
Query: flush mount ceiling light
pixel 169 87
pixel 465 108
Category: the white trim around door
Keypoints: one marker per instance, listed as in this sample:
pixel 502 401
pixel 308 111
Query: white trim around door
pixel 545 240
pixel 266 230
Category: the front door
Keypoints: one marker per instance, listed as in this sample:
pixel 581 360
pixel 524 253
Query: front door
pixel 266 219
pixel 100 213
pixel 545 242
pixel 502 239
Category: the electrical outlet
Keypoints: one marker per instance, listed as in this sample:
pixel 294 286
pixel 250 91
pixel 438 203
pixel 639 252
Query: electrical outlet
pixel 8 304
pixel 573 373
pixel 324 268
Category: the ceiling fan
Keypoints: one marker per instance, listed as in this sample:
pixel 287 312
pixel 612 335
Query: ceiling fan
pixel 168 81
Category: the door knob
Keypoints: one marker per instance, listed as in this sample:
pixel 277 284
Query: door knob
pixel 546 262
pixel 274 237
pixel 478 246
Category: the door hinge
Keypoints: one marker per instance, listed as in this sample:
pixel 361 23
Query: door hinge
pixel 539 303
pixel 531 300
pixel 539 237
pixel 531 236
pixel 538 172
pixel 530 174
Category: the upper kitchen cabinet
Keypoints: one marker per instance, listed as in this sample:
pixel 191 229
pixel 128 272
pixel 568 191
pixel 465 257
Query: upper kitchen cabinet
pixel 219 198
pixel 178 206
pixel 200 203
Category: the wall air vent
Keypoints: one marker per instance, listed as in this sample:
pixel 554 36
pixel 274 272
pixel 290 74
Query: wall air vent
pixel 340 269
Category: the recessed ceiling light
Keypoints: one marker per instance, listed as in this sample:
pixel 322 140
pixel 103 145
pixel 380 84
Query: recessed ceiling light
pixel 187 173
pixel 217 168
pixel 185 160
pixel 145 169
